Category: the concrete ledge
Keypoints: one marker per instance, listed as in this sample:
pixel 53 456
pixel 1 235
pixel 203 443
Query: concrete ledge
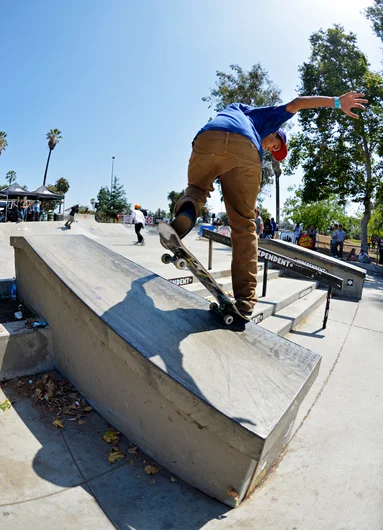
pixel 373 268
pixel 353 277
pixel 24 351
pixel 214 406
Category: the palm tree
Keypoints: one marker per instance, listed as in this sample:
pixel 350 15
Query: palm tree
pixel 3 141
pixel 53 138
pixel 11 176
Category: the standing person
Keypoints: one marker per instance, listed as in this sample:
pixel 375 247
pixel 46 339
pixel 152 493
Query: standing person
pixel 72 213
pixel 267 229
pixel 230 147
pixel 333 241
pixel 258 223
pixel 23 208
pixel 341 236
pixel 313 233
pixel 139 222
pixel 297 232
pixel 15 210
pixel 36 210
pixel 274 226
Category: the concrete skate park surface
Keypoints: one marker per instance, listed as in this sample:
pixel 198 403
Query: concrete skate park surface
pixel 231 415
pixel 117 237
pixel 330 476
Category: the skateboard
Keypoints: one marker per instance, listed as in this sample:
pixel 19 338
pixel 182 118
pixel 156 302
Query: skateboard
pixel 182 258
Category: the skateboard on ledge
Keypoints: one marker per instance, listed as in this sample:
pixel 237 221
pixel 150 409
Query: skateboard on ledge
pixel 182 258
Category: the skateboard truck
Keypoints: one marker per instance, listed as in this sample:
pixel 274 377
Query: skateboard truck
pixel 180 263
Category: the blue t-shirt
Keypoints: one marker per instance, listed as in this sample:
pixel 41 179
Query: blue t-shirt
pixel 253 122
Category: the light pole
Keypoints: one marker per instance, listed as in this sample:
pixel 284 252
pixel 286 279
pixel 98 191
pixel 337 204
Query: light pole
pixel 111 178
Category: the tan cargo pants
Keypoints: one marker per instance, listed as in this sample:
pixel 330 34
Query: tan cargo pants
pixel 237 162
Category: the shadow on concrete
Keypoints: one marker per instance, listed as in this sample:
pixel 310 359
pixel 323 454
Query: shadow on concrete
pixel 314 334
pixel 77 456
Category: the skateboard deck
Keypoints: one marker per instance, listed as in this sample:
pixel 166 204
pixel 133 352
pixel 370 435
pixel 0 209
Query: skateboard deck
pixel 183 258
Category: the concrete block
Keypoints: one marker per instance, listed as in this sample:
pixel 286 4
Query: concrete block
pixel 24 351
pixel 213 405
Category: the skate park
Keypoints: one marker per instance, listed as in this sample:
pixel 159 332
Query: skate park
pixel 284 416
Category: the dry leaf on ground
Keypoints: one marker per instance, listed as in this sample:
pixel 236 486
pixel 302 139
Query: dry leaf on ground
pixel 151 470
pixel 115 455
pixel 132 450
pixel 5 405
pixel 111 437
pixel 58 423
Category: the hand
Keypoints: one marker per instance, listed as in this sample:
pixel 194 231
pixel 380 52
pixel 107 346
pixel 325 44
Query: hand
pixel 352 100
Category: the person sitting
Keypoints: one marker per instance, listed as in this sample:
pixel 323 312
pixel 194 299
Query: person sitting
pixel 363 257
pixel 352 256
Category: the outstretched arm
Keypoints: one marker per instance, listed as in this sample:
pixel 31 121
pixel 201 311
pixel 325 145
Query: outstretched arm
pixel 347 102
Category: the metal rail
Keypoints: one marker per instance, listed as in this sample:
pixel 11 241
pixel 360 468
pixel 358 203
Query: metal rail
pixel 332 282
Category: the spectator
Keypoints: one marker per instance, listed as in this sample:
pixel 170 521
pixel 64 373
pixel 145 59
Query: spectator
pixel 15 211
pixel 267 229
pixel 341 236
pixel 313 233
pixel 364 257
pixel 36 210
pixel 297 232
pixel 334 239
pixel 380 248
pixel 24 204
pixel 352 256
pixel 274 226
pixel 258 222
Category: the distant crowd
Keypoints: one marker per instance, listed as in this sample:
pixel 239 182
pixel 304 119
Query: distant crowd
pixel 21 209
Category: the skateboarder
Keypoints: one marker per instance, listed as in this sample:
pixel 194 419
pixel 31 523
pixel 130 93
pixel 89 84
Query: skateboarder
pixel 230 147
pixel 72 213
pixel 139 222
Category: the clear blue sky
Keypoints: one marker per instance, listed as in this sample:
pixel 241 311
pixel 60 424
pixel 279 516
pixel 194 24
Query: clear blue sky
pixel 125 78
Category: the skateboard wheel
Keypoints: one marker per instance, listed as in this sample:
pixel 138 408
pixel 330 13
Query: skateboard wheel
pixel 229 319
pixel 180 264
pixel 166 258
pixel 213 306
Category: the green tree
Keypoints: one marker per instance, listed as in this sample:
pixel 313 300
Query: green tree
pixel 173 197
pixel 62 186
pixel 254 88
pixel 109 203
pixel 159 214
pixel 93 202
pixel 375 14
pixel 339 155
pixel 50 205
pixel 10 176
pixel 375 226
pixel 117 199
pixel 3 141
pixel 321 214
pixel 53 137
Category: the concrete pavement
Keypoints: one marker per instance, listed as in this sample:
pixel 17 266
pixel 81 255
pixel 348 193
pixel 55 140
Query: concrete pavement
pixel 330 477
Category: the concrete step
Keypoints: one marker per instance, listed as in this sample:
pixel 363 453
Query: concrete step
pixel 224 281
pixel 281 293
pixel 289 317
